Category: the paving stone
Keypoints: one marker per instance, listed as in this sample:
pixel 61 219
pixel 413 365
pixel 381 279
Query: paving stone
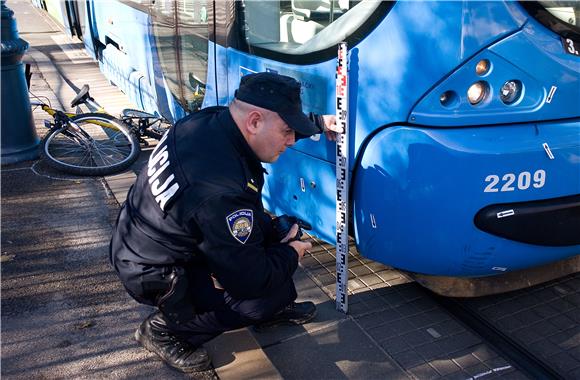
pixel 402 326
pixel 377 267
pixel 564 362
pixel 544 348
pixel 497 362
pixel 383 332
pixel 574 374
pixel 422 320
pixel 562 322
pixel 376 303
pixel 509 323
pixel 459 375
pixel 512 375
pixel 575 352
pixel 444 366
pixel 449 327
pixel 395 345
pixel 574 299
pixel 527 336
pixel 484 353
pixel 561 305
pixel 424 371
pixel 360 270
pixel 574 315
pixel 544 329
pixel 370 279
pixel 395 299
pixel 417 338
pixel 326 279
pixel 431 351
pixel 408 359
pixel 398 281
pixel 528 317
pixel 466 359
pixel 407 309
pixel 369 321
pixel 545 311
pixel 477 370
pixel 389 275
pixel 565 340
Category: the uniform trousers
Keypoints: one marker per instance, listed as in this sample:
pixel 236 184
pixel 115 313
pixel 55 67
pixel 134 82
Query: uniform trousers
pixel 216 310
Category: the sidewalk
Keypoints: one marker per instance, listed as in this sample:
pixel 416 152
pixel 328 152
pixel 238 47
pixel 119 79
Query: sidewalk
pixel 65 315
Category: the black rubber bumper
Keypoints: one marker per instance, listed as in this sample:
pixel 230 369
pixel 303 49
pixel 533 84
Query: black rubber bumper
pixel 549 222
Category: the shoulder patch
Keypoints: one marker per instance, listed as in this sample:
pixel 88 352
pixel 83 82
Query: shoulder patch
pixel 240 224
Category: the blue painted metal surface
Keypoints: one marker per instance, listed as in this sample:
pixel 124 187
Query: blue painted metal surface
pixel 425 189
pixel 419 167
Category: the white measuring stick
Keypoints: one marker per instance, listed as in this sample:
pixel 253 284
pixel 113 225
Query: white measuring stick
pixel 342 180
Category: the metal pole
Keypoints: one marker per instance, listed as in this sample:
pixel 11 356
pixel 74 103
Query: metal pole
pixel 19 141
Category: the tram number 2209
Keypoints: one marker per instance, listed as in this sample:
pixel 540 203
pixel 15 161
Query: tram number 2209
pixel 510 181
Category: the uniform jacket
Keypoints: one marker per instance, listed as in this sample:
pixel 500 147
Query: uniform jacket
pixel 198 202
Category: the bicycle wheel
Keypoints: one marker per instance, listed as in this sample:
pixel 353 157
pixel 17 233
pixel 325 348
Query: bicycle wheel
pixel 102 145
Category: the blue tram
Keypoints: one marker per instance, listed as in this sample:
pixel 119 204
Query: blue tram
pixel 464 115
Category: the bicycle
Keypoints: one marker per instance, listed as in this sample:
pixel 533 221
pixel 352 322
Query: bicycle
pixel 143 124
pixel 93 143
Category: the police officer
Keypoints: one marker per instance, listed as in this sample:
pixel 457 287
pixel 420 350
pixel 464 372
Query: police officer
pixel 193 239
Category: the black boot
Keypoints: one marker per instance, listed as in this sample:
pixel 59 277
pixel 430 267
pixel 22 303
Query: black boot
pixel 297 313
pixel 154 335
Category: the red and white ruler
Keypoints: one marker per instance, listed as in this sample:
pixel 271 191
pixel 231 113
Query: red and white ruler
pixel 342 179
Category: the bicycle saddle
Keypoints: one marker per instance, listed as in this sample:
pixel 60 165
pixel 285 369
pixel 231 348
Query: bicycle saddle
pixel 81 97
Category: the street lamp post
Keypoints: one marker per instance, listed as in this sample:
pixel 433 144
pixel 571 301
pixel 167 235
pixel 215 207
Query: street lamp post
pixel 19 141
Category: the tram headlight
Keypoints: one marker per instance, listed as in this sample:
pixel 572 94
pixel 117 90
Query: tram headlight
pixel 511 91
pixel 482 67
pixel 477 92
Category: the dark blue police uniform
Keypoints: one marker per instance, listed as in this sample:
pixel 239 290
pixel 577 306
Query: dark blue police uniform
pixel 194 214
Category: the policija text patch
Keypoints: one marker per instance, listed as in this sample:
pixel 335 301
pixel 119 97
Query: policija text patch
pixel 240 224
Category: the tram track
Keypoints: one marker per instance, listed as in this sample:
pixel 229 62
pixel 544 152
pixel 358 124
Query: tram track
pixel 520 357
pixel 532 332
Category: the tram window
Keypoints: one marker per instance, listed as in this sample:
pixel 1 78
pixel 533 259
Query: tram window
pixel 138 4
pixel 181 37
pixel 303 26
pixel 193 46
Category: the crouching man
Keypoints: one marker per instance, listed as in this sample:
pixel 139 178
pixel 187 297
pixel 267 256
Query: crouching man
pixel 193 239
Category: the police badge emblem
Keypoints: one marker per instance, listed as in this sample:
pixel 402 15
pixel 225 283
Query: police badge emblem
pixel 240 223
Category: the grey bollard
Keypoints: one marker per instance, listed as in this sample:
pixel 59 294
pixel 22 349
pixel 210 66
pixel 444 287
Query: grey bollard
pixel 19 141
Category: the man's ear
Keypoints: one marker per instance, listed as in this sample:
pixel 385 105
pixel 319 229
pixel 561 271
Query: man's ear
pixel 253 121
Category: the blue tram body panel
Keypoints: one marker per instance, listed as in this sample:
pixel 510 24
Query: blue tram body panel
pixel 423 173
pixel 424 191
pixel 424 184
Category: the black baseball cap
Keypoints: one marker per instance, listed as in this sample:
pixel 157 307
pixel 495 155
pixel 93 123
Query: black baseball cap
pixel 278 93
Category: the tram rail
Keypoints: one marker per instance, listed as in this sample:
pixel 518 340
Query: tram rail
pixel 531 365
pixel 481 336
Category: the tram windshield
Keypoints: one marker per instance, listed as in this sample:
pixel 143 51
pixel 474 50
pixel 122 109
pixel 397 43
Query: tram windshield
pixel 566 11
pixel 303 26
pixel 561 16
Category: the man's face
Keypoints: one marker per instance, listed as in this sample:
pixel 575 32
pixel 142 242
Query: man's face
pixel 272 138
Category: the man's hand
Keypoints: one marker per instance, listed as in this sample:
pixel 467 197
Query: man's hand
pixel 299 246
pixel 331 129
